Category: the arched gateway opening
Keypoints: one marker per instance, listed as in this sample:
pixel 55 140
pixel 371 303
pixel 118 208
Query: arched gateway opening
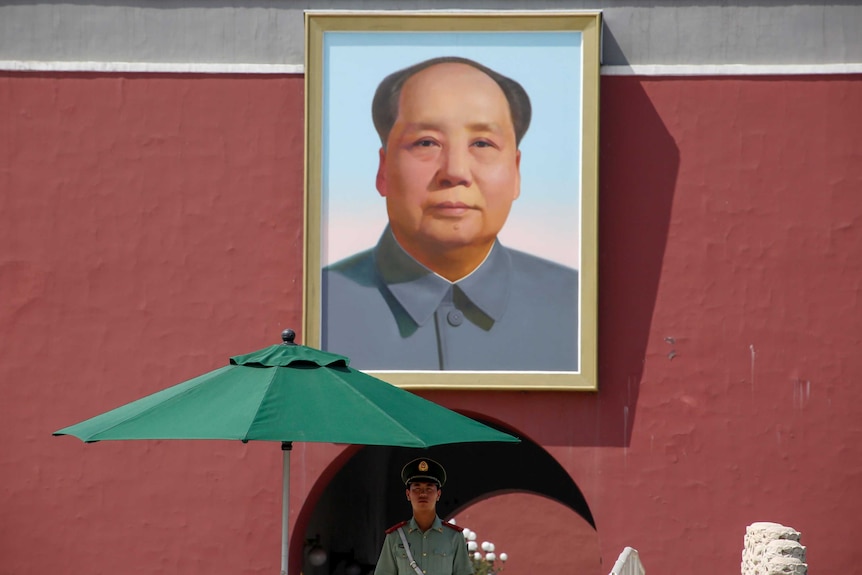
pixel 489 482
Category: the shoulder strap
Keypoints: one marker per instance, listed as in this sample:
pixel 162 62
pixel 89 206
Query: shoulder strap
pixel 409 554
pixel 396 526
pixel 457 528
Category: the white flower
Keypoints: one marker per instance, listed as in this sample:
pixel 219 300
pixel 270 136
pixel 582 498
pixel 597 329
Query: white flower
pixel 504 557
pixel 490 557
pixel 477 556
pixel 466 533
pixel 472 546
pixel 486 546
pixel 452 521
pixel 472 536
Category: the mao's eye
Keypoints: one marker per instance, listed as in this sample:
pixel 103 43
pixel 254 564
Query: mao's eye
pixel 425 143
pixel 484 144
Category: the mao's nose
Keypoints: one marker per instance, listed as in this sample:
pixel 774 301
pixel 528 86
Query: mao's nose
pixel 454 168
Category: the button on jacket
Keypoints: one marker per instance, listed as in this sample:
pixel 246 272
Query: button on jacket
pixel 515 312
pixel 441 550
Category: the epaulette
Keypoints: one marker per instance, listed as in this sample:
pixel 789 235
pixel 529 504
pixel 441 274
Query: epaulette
pixel 396 526
pixel 457 528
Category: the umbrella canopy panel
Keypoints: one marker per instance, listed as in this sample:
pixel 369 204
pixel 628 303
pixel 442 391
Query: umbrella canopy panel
pixel 287 393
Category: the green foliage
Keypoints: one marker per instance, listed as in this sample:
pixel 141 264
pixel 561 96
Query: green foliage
pixel 484 567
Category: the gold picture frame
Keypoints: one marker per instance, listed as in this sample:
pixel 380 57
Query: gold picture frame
pixel 555 55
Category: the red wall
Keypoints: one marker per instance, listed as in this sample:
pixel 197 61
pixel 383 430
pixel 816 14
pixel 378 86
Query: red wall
pixel 151 227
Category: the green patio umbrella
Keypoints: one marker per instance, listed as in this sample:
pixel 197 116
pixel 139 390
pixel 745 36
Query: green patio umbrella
pixel 287 393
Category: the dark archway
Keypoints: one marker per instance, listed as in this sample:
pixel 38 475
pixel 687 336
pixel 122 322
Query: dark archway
pixel 365 496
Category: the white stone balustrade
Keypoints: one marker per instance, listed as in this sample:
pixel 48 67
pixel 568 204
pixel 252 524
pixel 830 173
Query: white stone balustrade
pixel 773 549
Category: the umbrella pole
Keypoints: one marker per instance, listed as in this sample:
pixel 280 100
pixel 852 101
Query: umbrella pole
pixel 285 502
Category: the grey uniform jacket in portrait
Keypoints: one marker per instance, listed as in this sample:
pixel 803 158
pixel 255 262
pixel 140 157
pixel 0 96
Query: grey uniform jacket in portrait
pixel 386 311
pixel 441 550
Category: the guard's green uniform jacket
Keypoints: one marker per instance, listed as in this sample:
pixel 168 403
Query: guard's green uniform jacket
pixel 441 550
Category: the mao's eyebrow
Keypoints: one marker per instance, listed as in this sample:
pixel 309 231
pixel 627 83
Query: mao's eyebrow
pixel 485 127
pixel 420 126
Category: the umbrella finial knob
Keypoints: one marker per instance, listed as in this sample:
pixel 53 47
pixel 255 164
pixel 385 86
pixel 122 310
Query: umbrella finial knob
pixel 287 337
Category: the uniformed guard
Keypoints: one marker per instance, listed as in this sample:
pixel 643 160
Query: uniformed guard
pixel 424 545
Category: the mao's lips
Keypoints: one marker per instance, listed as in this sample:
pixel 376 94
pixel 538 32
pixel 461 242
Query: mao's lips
pixel 451 209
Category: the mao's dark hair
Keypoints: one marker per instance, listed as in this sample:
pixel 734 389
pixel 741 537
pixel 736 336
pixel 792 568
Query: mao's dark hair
pixel 384 107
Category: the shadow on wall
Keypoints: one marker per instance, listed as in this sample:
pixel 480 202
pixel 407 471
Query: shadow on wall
pixel 639 165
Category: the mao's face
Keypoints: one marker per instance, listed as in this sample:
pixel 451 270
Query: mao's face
pixel 450 170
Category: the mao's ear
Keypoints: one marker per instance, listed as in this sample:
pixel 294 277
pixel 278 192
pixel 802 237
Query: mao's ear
pixel 381 172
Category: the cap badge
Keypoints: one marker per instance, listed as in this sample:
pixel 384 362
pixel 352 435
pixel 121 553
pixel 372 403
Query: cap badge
pixel 423 466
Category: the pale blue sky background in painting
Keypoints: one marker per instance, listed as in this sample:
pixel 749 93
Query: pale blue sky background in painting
pixel 545 219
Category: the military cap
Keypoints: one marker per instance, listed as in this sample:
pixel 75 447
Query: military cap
pixel 423 469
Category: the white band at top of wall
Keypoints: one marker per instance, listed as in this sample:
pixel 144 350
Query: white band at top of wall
pixel 149 67
pixel 216 68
